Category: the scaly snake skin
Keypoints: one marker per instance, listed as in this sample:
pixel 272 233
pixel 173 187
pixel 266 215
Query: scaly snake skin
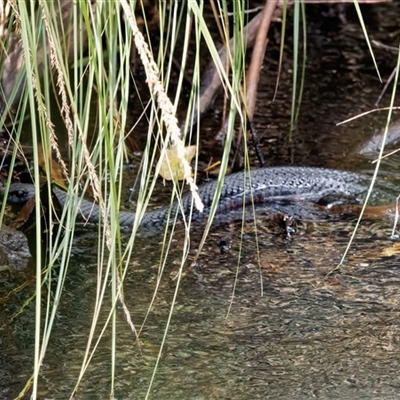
pixel 265 185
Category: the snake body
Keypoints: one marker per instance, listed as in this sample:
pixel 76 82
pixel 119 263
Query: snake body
pixel 264 185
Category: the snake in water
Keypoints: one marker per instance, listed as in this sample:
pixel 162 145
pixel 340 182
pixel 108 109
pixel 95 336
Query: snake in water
pixel 265 185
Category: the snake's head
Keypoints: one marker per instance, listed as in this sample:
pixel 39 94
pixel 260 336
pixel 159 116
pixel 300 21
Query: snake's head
pixel 18 193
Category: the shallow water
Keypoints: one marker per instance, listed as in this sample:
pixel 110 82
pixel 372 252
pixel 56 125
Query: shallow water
pixel 264 319
pixel 289 331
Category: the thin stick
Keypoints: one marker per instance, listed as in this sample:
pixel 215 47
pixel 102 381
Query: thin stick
pixel 253 73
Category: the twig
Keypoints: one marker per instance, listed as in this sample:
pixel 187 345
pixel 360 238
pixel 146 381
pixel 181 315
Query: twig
pixel 211 81
pixel 253 73
pixel 385 87
pixel 256 143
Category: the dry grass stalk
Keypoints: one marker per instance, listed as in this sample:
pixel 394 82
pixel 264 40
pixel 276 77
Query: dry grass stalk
pixel 164 103
pixel 66 113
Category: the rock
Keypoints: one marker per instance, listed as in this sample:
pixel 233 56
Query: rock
pixel 14 249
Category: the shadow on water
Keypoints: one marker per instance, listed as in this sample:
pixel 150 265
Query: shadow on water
pixel 291 330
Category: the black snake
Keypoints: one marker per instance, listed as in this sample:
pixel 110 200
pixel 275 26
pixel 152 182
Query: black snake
pixel 264 185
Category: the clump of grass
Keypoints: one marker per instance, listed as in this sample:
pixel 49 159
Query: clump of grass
pixel 52 37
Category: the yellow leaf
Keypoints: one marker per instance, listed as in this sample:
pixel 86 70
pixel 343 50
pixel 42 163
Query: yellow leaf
pixel 172 166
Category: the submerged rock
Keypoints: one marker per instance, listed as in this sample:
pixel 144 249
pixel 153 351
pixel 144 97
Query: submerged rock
pixel 374 143
pixel 14 249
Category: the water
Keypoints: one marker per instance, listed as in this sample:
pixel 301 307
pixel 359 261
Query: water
pixel 287 330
